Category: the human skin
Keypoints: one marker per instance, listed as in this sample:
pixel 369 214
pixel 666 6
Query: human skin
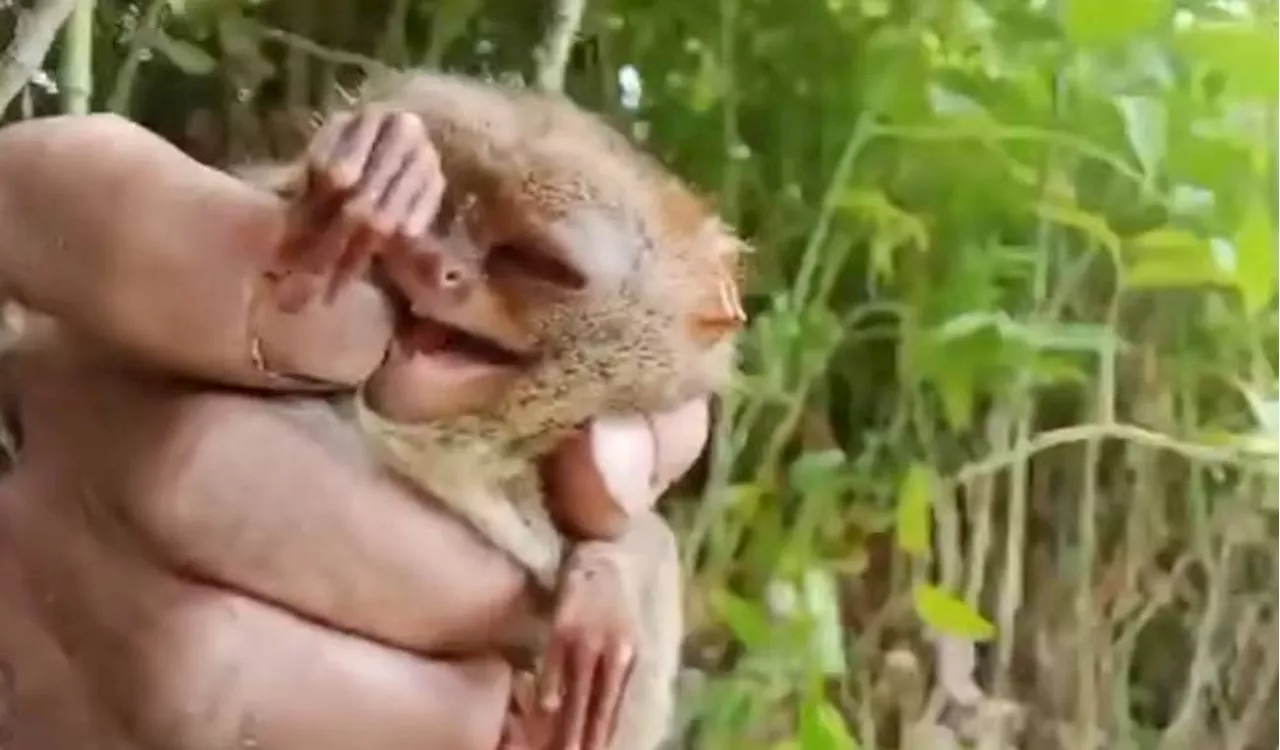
pixel 191 567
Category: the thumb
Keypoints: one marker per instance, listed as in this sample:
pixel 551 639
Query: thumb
pixel 638 457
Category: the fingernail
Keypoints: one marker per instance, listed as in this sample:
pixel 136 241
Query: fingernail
pixel 623 451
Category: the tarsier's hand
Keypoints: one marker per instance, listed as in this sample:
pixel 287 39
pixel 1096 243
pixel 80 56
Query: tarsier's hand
pixel 592 648
pixel 373 181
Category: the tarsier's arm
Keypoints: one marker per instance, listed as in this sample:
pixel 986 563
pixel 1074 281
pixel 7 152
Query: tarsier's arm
pixel 117 233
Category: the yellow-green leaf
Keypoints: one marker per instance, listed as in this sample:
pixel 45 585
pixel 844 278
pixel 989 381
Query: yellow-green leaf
pixel 947 613
pixel 1109 21
pixel 955 388
pixel 1172 258
pixel 823 728
pixel 1256 257
pixel 914 525
pixel 1245 51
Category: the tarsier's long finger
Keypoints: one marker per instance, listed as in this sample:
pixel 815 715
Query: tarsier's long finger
pixel 608 695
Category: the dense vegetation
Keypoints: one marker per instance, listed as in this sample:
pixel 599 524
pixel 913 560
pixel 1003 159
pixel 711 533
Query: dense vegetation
pixel 1001 469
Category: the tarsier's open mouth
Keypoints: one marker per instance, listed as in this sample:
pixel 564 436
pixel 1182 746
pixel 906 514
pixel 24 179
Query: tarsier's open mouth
pixel 424 335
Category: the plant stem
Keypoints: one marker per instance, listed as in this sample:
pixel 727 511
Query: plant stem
pixel 33 35
pixel 76 78
pixel 553 54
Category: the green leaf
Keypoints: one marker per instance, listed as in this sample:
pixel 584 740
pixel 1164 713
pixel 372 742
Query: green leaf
pixel 956 389
pixel 949 103
pixel 748 621
pixel 892 227
pixel 1256 257
pixel 967 324
pixel 1168 258
pixel 1245 51
pixel 948 614
pixel 708 83
pixel 816 470
pixel 1096 227
pixel 823 728
pixel 185 56
pixel 1146 125
pixel 1065 337
pixel 914 523
pixel 1102 22
pixel 822 600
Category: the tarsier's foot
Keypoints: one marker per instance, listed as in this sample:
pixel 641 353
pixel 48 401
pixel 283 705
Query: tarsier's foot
pixel 373 181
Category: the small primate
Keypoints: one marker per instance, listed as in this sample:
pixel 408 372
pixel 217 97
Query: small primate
pixel 563 276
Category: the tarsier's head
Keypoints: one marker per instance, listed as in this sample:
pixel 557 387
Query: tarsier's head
pixel 571 275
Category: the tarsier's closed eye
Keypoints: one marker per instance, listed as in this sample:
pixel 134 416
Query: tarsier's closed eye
pixel 535 262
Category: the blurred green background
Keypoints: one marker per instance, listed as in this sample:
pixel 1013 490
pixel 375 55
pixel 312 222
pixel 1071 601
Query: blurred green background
pixel 1000 470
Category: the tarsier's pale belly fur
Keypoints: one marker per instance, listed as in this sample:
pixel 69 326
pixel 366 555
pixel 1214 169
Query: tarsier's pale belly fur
pixel 486 483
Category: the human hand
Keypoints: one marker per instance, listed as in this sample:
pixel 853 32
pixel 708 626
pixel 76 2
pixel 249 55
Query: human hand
pixel 373 181
pixel 526 726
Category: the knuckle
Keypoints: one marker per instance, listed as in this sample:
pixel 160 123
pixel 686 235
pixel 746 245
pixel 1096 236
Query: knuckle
pixel 407 124
pixel 358 211
pixel 383 223
pixel 344 174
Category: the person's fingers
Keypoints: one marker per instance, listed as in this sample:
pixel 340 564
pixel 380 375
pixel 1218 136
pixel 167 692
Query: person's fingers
pixel 347 160
pixel 426 205
pixel 615 672
pixel 583 660
pixel 551 677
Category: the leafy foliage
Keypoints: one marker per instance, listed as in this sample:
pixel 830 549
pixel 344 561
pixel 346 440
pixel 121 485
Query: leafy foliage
pixel 1012 371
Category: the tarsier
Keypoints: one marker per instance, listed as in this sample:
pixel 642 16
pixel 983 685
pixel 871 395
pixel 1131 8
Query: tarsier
pixel 588 280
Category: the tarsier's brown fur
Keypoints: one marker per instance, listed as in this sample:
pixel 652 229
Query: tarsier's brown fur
pixel 622 347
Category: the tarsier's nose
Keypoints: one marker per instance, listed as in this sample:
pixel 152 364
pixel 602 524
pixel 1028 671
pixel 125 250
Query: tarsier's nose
pixel 425 274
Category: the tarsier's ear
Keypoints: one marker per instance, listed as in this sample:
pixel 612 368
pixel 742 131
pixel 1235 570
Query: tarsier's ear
pixel 722 313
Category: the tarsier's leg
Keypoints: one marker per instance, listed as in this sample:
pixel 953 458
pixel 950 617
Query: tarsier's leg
pixel 648 707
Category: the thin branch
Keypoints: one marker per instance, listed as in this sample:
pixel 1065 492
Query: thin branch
pixel 318 51
pixel 33 35
pixel 552 56
pixel 1079 433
